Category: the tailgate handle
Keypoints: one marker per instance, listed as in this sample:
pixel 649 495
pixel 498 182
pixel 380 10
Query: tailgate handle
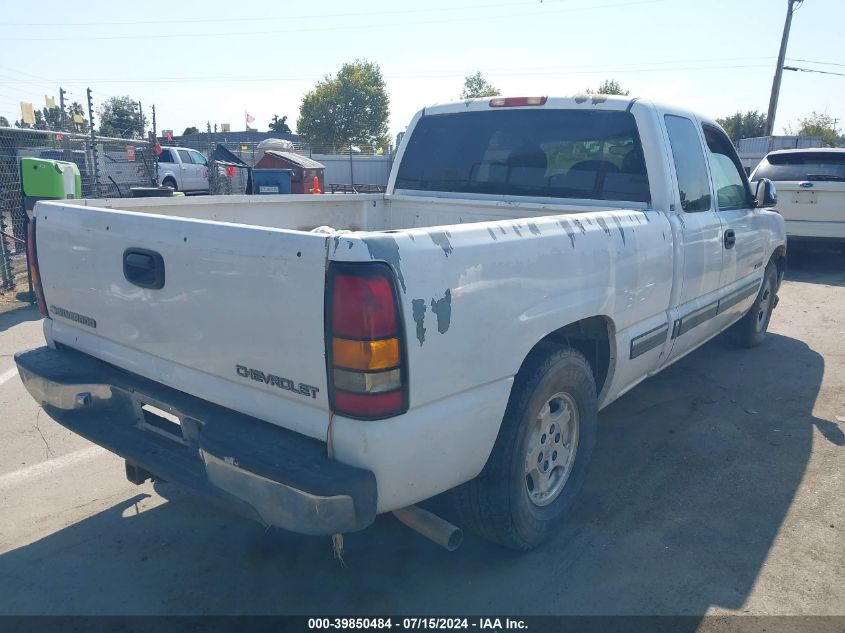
pixel 143 268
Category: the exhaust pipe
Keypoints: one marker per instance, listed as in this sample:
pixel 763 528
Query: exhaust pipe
pixel 431 526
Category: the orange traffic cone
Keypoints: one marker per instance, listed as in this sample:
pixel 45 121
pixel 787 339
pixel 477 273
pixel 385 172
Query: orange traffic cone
pixel 316 188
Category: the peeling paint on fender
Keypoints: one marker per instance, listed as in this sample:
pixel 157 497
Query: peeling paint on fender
pixel 533 228
pixel 619 226
pixel 580 226
pixel 492 234
pixel 385 248
pixel 603 226
pixel 516 229
pixel 441 238
pixel 443 309
pixel 418 309
pixel 564 224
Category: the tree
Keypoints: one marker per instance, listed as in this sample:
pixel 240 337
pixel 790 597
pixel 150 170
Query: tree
pixel 191 130
pixel 4 122
pixel 279 125
pixel 120 117
pixel 350 108
pixel 608 87
pixel 75 111
pixel 821 125
pixel 477 86
pixel 52 118
pixel 747 125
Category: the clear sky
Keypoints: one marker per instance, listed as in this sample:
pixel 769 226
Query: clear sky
pixel 212 60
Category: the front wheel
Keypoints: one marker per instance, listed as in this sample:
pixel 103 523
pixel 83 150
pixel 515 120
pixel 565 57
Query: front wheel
pixel 540 458
pixel 750 330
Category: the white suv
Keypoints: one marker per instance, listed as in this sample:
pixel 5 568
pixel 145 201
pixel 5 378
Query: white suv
pixel 811 191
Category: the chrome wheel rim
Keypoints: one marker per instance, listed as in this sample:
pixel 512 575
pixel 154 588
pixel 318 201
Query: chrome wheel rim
pixel 550 449
pixel 763 310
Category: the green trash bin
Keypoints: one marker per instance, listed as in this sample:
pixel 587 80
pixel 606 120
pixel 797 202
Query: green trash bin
pixel 47 179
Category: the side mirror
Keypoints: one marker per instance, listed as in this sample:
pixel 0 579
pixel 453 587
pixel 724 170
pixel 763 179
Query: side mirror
pixel 767 195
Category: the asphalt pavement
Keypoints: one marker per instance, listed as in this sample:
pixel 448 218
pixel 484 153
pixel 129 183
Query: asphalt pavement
pixel 716 487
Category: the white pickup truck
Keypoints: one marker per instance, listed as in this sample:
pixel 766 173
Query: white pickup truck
pixel 183 169
pixel 317 360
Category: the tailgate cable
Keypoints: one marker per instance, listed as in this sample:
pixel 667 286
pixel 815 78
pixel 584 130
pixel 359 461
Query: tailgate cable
pixel 337 539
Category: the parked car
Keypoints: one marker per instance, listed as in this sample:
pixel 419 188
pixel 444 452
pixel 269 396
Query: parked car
pixel 317 360
pixel 183 169
pixel 811 191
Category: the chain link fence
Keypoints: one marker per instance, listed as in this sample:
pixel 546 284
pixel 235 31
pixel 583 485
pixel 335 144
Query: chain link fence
pixel 108 167
pixel 356 168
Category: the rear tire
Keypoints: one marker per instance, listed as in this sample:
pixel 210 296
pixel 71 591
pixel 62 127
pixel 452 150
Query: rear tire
pixel 169 182
pixel 750 330
pixel 539 462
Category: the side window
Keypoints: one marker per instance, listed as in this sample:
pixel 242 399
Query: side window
pixel 199 159
pixel 185 155
pixel 726 170
pixel 165 156
pixel 693 182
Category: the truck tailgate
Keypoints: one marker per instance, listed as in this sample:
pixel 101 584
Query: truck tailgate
pixel 238 321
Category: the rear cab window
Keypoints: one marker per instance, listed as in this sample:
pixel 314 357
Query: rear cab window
pixel 802 166
pixel 555 153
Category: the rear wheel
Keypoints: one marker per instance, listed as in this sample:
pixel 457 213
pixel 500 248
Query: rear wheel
pixel 169 182
pixel 750 330
pixel 540 458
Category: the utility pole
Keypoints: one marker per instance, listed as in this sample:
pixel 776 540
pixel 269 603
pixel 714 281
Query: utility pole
pixel 62 106
pixel 773 101
pixel 63 124
pixel 152 150
pixel 95 186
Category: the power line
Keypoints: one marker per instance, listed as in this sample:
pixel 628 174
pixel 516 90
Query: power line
pixel 810 61
pixel 573 69
pixel 322 29
pixel 286 18
pixel 812 70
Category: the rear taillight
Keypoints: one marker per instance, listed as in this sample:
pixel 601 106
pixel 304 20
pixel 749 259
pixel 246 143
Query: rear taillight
pixel 34 274
pixel 365 342
pixel 517 102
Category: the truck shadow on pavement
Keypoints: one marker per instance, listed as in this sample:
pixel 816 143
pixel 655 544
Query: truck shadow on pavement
pixel 693 475
pixel 816 264
pixel 18 316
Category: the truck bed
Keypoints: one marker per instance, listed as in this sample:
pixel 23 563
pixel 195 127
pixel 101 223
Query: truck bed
pixel 366 212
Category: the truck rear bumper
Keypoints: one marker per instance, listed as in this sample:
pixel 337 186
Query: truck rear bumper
pixel 277 476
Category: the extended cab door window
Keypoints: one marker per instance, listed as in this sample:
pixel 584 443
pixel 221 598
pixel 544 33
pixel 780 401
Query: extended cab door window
pixel 185 155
